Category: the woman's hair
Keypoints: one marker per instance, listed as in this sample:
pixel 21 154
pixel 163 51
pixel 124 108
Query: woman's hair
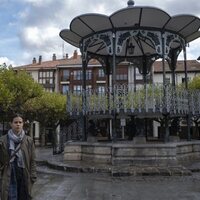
pixel 16 115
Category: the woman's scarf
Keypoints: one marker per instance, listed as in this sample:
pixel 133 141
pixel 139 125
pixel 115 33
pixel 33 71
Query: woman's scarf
pixel 14 140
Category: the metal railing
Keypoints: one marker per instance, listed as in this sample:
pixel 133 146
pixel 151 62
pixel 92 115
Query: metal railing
pixel 152 98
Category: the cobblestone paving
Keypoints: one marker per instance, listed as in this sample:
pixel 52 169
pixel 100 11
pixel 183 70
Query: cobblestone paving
pixel 58 185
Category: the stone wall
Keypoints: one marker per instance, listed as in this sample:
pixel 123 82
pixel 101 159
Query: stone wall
pixel 130 154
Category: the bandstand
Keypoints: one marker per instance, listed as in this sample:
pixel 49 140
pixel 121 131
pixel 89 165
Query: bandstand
pixel 140 36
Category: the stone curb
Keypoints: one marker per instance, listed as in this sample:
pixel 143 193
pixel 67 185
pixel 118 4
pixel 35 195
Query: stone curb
pixel 122 171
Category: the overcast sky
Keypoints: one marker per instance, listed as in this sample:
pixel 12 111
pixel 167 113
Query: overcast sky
pixel 30 28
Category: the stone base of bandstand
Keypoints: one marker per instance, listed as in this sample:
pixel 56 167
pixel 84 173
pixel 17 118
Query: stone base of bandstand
pixel 134 159
pixel 174 138
pixel 139 140
pixel 92 139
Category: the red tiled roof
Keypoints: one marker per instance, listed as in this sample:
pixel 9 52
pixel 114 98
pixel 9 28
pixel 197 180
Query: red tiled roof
pixel 192 65
pixel 52 64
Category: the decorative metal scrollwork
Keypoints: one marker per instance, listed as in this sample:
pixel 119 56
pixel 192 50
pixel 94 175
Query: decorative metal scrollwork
pixel 155 38
pixel 169 39
pixel 123 98
pixel 106 38
pixel 121 37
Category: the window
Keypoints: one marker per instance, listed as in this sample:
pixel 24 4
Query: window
pixel 49 89
pixel 78 75
pixel 138 76
pixel 101 73
pixel 183 80
pixel 88 74
pixel 78 89
pixel 89 89
pixel 101 89
pixel 46 78
pixel 167 81
pixel 121 77
pixel 44 74
pixel 65 89
pixel 65 75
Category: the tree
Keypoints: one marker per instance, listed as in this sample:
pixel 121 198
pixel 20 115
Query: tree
pixel 48 109
pixel 16 88
pixel 194 83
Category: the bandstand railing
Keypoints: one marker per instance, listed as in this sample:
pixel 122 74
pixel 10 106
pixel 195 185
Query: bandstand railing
pixel 153 98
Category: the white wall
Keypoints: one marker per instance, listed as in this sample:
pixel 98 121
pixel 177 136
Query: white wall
pixel 158 78
pixel 34 75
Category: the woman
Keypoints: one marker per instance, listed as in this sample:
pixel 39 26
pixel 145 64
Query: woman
pixel 17 162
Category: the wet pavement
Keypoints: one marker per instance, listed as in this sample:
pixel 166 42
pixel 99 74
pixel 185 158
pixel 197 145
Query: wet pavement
pixel 55 185
pixel 79 186
pixel 62 184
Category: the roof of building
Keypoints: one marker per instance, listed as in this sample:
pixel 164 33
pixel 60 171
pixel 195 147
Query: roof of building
pixel 76 61
pixel 192 66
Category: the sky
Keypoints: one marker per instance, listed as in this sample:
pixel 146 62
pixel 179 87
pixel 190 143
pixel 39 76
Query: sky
pixel 30 28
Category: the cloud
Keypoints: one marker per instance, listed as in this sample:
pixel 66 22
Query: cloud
pixel 6 61
pixel 34 37
pixel 37 2
pixel 39 22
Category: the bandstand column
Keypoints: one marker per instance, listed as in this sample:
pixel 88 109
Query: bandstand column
pixel 114 121
pixel 84 101
pixel 173 67
pixel 186 87
pixel 166 120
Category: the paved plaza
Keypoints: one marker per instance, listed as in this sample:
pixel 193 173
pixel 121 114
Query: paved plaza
pixel 57 185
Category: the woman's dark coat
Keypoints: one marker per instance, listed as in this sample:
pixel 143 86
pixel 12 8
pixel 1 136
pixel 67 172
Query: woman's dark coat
pixel 28 151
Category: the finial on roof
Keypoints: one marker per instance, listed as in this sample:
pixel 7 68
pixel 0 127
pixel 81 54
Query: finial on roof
pixel 130 3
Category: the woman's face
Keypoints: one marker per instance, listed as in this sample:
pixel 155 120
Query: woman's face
pixel 17 125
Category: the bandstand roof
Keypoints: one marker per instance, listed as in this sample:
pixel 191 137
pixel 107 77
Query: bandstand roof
pixel 131 18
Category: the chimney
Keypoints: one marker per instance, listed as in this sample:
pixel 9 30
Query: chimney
pixel 34 60
pixel 54 57
pixel 75 56
pixel 67 56
pixel 40 60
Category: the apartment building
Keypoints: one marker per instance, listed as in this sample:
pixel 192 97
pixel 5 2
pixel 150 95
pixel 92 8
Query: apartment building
pixel 193 69
pixel 62 75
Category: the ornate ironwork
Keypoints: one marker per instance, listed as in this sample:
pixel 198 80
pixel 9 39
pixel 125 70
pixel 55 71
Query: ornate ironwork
pixel 175 101
pixel 121 37
pixel 106 39
pixel 73 131
pixel 155 38
pixel 169 39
